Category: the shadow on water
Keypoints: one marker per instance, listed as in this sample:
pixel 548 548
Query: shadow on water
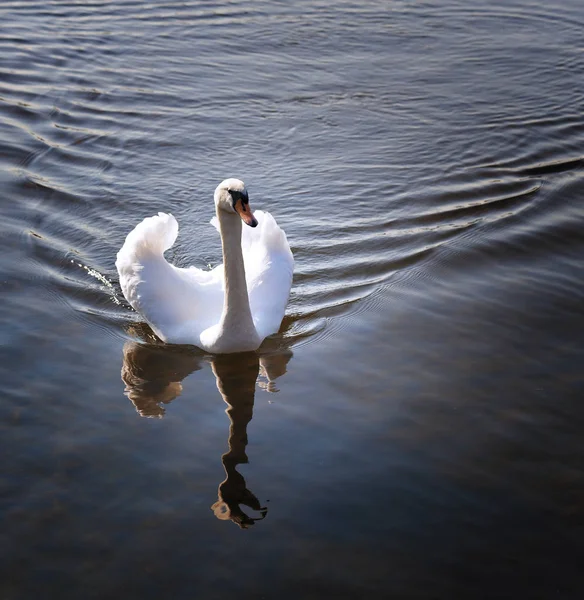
pixel 153 374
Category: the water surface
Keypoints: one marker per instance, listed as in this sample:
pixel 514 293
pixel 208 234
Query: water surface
pixel 415 429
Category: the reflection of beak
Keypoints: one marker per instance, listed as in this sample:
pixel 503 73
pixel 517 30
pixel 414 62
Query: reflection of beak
pixel 244 211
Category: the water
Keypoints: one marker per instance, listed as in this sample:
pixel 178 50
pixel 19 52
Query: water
pixel 415 430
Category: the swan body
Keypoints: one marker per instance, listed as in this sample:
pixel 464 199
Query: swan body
pixel 230 308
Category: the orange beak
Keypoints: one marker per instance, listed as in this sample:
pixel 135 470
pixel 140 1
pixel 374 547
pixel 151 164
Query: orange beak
pixel 244 211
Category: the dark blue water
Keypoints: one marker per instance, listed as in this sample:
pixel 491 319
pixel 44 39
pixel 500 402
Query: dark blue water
pixel 415 429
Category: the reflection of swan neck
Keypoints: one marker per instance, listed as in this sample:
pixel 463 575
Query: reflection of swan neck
pixel 239 416
pixel 236 378
pixel 236 311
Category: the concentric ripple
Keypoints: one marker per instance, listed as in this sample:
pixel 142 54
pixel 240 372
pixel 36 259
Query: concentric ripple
pixel 110 112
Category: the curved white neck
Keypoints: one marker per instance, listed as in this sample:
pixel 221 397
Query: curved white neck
pixel 236 320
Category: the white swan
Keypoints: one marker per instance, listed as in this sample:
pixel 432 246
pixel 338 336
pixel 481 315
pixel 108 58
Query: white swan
pixel 231 308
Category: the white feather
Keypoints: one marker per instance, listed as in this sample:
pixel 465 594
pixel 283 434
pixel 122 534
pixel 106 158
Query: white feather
pixel 182 304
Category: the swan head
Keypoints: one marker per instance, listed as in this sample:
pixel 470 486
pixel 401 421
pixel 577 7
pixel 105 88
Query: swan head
pixel 231 196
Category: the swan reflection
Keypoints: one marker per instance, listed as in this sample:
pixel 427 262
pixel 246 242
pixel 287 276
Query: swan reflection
pixel 153 375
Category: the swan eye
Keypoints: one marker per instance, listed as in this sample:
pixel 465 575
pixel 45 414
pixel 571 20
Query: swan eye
pixel 236 196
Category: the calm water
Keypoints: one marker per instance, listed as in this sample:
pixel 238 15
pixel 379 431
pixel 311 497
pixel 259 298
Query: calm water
pixel 416 428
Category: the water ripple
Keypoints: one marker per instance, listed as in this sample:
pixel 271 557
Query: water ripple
pixel 403 183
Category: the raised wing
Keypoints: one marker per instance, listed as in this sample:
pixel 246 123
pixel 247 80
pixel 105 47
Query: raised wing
pixel 177 303
pixel 269 265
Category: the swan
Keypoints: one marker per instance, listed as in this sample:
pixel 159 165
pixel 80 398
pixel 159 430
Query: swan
pixel 230 308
